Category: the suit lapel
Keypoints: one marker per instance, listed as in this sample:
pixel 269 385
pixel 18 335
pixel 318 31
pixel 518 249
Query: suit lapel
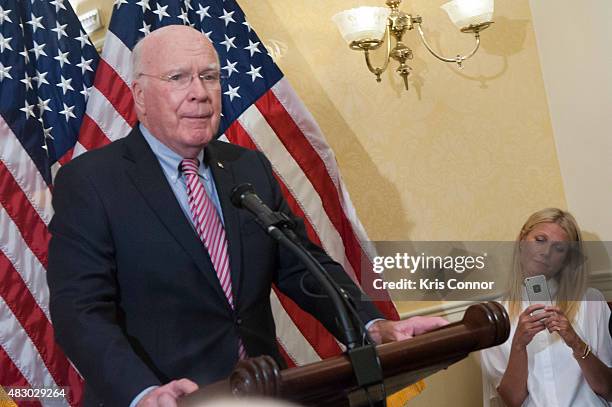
pixel 147 175
pixel 224 177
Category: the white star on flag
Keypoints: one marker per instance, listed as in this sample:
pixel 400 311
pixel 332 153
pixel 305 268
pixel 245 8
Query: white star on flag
pixel 253 47
pixel 146 28
pixel 24 53
pixel 47 133
pixel 67 112
pixel 183 16
pixel 38 50
pixel 65 84
pixel 229 42
pixel 227 17
pixel 59 4
pixel 4 72
pixel 62 58
pixel 232 92
pixel 83 39
pixel 27 81
pixel 84 65
pixel 161 12
pixel 40 78
pixel 145 5
pixel 43 105
pixel 4 15
pixel 60 29
pixel 254 72
pixel 35 23
pixel 5 43
pixel 202 12
pixel 85 92
pixel 28 109
pixel 230 67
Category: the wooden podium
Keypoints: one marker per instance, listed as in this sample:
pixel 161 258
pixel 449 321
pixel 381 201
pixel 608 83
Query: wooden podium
pixel 331 382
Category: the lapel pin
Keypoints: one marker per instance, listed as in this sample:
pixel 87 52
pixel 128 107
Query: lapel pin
pixel 220 165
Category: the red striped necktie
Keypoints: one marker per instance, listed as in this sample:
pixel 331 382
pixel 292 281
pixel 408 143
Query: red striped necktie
pixel 210 229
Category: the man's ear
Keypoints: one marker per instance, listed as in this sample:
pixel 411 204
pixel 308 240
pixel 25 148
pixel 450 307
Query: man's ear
pixel 138 95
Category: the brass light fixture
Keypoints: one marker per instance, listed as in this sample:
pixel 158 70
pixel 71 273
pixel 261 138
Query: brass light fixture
pixel 367 28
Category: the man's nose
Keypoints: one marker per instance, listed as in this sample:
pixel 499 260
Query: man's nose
pixel 197 89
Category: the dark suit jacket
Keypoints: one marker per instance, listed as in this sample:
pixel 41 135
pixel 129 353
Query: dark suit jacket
pixel 134 299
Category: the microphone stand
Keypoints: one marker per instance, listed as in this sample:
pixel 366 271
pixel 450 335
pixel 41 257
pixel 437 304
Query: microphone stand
pixel 363 356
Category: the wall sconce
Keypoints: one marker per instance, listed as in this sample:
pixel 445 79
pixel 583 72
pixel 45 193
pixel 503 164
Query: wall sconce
pixel 363 28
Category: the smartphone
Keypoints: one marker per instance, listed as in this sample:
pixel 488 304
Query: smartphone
pixel 537 291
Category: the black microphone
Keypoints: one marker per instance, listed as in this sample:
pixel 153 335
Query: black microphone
pixel 279 226
pixel 244 196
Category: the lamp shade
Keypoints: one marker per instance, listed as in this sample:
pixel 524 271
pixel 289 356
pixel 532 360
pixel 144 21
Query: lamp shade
pixel 466 12
pixel 362 23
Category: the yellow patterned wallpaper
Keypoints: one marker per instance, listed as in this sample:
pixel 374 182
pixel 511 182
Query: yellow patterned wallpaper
pixel 465 154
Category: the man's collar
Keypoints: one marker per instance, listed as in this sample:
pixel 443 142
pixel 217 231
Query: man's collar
pixel 168 158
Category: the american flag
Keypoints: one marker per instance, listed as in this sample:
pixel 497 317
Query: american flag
pixel 39 132
pixel 47 65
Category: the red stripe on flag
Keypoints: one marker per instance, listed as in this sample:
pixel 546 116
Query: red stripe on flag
pixel 32 228
pixel 66 157
pixel 10 376
pixel 297 210
pixel 315 333
pixel 91 135
pixel 288 359
pixel 35 323
pixel 112 86
pixel 238 135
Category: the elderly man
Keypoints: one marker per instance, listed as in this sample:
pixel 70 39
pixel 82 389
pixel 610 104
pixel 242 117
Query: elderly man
pixel 157 282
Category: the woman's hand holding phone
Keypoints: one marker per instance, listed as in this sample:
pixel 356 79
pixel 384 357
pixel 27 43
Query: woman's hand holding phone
pixel 559 323
pixel 531 321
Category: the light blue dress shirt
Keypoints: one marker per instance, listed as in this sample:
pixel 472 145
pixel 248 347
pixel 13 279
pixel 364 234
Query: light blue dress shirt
pixel 170 161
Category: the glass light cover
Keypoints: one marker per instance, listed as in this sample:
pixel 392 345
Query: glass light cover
pixel 465 12
pixel 362 23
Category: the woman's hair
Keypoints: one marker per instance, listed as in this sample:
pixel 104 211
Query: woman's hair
pixel 572 276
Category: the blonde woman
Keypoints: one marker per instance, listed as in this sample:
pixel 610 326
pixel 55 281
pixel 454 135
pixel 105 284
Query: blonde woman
pixel 556 355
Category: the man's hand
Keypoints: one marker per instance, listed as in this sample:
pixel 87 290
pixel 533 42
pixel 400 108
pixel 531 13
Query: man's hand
pixel 166 395
pixel 388 331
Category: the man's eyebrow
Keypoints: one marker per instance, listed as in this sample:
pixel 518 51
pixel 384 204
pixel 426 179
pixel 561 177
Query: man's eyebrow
pixel 176 69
